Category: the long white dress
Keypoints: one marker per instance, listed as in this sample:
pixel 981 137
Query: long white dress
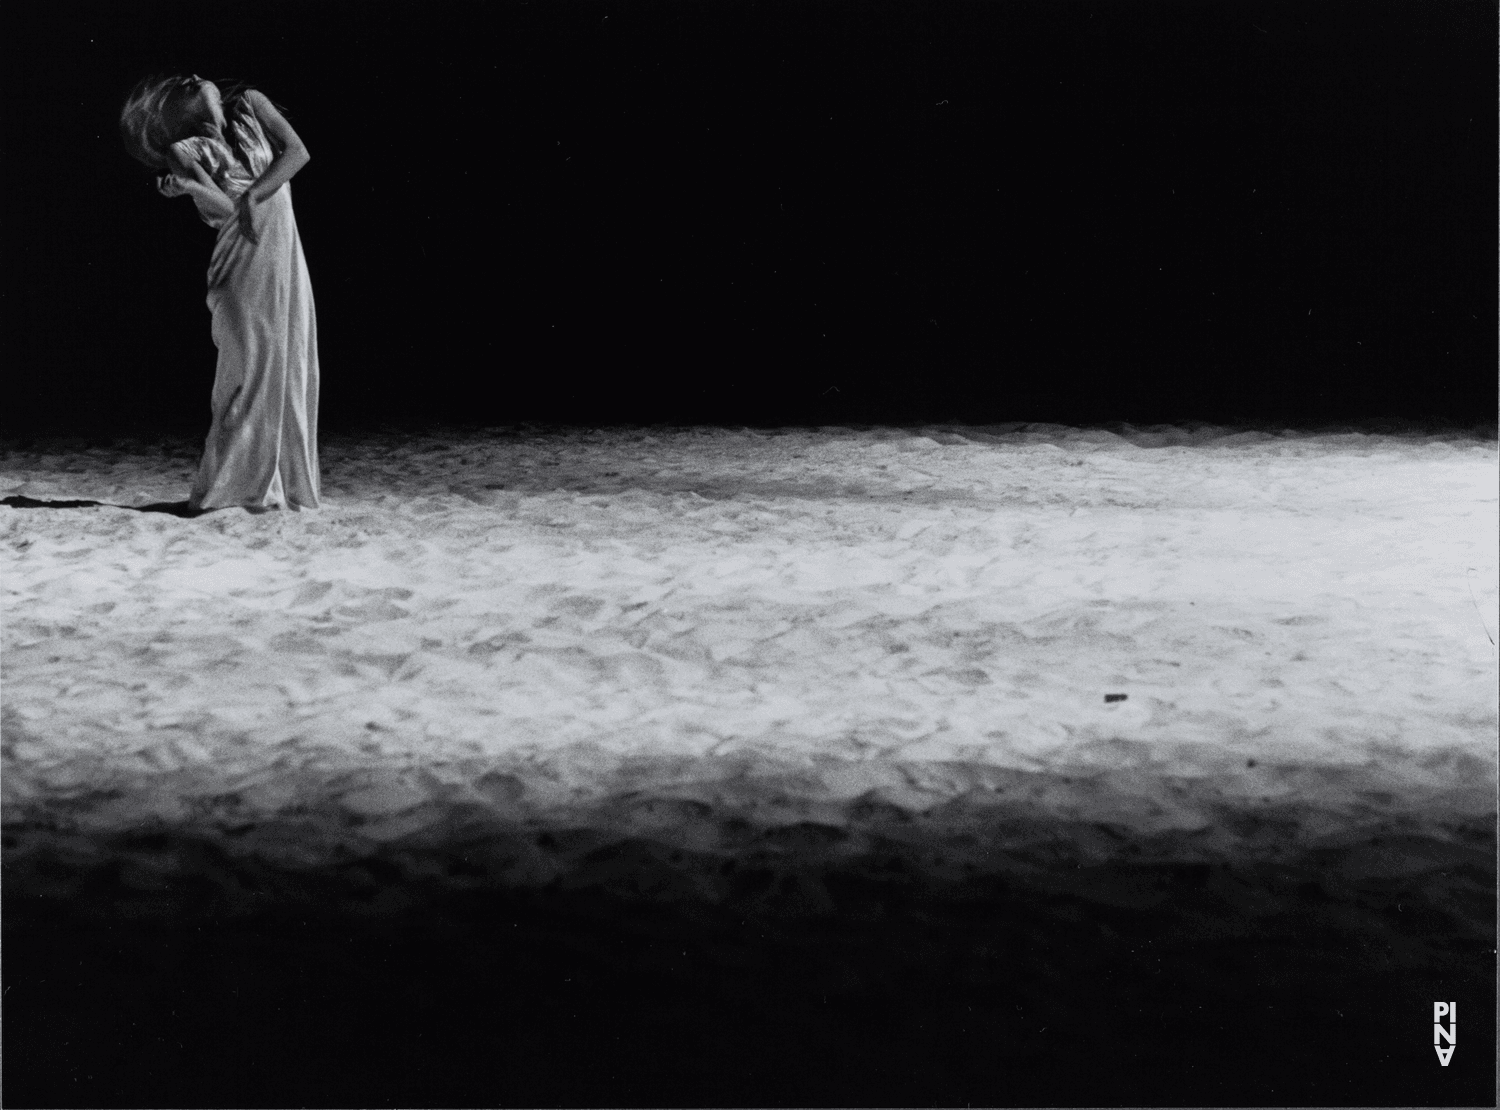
pixel 262 447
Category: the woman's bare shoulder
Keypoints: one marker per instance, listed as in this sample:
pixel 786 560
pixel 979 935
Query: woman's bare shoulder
pixel 260 104
pixel 271 119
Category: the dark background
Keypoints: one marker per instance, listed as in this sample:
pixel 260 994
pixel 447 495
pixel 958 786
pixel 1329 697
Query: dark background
pixel 804 211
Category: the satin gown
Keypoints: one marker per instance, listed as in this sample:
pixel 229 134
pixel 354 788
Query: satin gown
pixel 262 447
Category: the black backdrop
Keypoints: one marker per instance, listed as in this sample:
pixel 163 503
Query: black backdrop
pixel 607 211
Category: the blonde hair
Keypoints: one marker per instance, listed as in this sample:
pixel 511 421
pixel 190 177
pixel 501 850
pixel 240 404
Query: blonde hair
pixel 155 116
pixel 152 118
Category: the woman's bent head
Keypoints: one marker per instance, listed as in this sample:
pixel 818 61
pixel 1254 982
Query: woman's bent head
pixel 163 110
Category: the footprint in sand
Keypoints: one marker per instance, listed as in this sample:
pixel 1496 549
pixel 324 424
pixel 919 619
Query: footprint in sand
pixel 310 592
pixel 578 605
pixel 381 799
pixel 376 605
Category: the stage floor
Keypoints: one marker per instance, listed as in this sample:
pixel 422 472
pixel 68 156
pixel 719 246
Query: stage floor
pixel 1220 692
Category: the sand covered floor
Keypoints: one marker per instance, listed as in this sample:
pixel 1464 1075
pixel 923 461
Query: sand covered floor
pixel 516 620
pixel 628 658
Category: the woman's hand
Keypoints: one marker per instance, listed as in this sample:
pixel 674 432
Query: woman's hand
pixel 189 178
pixel 244 211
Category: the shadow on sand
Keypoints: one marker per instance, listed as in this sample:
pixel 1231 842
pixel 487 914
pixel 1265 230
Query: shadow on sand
pixel 671 945
pixel 175 508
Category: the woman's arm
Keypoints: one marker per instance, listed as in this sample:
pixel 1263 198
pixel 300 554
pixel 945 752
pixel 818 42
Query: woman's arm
pixel 194 181
pixel 293 154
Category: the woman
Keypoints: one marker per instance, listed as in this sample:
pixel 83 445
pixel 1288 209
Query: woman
pixel 262 450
